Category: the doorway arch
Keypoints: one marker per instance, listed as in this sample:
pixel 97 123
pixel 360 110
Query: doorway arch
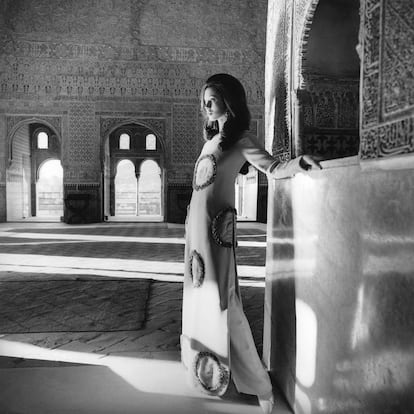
pixel 323 103
pixel 143 147
pixel 31 142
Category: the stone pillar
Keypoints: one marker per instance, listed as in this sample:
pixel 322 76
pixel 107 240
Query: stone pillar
pixel 3 167
pixel 339 271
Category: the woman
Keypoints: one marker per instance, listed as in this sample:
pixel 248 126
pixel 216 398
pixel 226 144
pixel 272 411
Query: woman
pixel 216 336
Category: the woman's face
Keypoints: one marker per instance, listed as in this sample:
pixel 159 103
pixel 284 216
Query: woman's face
pixel 213 104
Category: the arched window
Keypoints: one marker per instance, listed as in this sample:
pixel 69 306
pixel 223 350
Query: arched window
pixel 151 142
pixel 124 142
pixel 42 140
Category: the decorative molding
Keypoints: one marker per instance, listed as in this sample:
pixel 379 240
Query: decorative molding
pixel 143 53
pixel 281 145
pixel 302 22
pixel 109 123
pixel 397 162
pixel 54 122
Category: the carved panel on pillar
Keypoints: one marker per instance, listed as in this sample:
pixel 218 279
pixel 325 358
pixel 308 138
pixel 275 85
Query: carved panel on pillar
pixel 186 134
pixel 83 145
pixel 388 79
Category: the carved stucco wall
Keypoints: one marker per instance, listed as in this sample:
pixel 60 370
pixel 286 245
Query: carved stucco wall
pixel 91 62
pixel 388 80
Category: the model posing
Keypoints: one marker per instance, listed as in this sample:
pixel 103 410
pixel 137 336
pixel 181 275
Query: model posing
pixel 216 337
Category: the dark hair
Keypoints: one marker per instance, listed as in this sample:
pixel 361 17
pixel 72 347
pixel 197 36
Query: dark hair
pixel 232 92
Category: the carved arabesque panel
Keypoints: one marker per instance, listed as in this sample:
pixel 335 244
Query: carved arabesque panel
pixel 398 57
pixel 186 134
pixel 83 147
pixel 388 79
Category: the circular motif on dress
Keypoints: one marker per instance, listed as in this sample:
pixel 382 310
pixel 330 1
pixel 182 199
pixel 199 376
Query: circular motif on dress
pixel 204 172
pixel 222 227
pixel 210 373
pixel 196 268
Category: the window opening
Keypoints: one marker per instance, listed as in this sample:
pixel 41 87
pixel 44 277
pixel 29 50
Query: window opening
pixel 151 142
pixel 124 142
pixel 42 140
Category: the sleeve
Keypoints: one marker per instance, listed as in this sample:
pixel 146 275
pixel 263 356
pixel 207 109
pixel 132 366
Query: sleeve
pixel 256 155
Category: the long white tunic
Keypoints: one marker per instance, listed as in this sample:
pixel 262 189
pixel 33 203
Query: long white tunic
pixel 216 337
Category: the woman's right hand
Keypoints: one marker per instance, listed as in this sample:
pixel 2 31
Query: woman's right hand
pixel 303 163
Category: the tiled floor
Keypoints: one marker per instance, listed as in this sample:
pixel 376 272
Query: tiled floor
pixel 90 318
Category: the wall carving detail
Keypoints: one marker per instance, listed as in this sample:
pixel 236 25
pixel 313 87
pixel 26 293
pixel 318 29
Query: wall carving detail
pixel 388 139
pixel 388 83
pixel 75 175
pixel 397 65
pixel 330 104
pixel 181 175
pixel 25 78
pixel 371 32
pixel 142 53
pixel 83 147
pixel 330 118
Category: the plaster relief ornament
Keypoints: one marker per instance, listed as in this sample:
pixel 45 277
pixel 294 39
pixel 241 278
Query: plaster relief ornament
pixel 196 268
pixel 212 376
pixel 204 172
pixel 223 227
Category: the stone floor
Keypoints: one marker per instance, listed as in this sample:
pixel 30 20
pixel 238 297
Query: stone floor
pixel 90 317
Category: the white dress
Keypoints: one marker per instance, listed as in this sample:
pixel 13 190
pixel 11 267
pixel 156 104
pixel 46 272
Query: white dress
pixel 216 337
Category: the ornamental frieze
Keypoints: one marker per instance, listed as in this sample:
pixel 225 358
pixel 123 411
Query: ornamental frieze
pixel 109 123
pixel 396 138
pixel 44 79
pixel 67 50
pixel 53 121
pixel 389 139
